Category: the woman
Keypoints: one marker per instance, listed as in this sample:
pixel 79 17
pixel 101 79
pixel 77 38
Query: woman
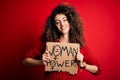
pixel 63 25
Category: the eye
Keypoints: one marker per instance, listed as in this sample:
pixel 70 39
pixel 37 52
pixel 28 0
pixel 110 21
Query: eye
pixel 57 22
pixel 65 20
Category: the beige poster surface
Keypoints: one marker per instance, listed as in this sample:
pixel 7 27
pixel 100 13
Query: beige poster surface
pixel 62 57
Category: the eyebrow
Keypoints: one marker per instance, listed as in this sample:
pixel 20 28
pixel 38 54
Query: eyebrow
pixel 62 18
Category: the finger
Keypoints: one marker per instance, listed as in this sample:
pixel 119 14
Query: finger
pixel 46 59
pixel 44 56
pixel 78 52
pixel 80 58
pixel 81 64
pixel 46 51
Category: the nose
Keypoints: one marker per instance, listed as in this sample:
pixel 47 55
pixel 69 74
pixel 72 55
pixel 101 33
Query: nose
pixel 62 23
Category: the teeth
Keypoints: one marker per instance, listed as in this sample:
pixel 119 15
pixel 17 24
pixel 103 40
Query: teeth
pixel 63 28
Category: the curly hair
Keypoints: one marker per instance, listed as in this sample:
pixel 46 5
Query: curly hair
pixel 51 33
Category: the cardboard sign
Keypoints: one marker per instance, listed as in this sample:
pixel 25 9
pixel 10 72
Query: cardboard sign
pixel 62 57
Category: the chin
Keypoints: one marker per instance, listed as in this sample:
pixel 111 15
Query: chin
pixel 64 32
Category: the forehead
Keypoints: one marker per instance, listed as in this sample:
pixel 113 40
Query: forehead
pixel 60 16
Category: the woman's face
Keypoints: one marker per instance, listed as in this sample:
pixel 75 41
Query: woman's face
pixel 62 23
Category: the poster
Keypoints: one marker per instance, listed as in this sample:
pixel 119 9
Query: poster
pixel 62 57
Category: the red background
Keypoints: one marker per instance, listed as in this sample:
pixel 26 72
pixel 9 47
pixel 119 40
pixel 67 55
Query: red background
pixel 21 23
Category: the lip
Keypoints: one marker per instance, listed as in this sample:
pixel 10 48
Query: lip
pixel 63 28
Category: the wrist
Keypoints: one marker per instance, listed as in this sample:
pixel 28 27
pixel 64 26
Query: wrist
pixel 83 65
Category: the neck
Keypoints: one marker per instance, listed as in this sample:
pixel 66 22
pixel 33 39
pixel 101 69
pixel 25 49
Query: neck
pixel 64 38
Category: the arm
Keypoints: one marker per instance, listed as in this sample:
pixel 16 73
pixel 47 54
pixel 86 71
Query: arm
pixel 91 68
pixel 88 67
pixel 35 62
pixel 32 62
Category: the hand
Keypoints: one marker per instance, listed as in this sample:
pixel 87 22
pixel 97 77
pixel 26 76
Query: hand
pixel 80 58
pixel 45 57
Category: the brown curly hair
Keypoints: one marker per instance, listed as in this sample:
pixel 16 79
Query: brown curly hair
pixel 51 33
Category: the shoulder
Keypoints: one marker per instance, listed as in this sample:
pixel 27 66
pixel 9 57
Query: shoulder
pixel 84 49
pixel 86 52
pixel 36 51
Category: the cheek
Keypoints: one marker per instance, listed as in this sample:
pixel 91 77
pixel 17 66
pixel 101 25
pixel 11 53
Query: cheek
pixel 58 27
pixel 68 26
